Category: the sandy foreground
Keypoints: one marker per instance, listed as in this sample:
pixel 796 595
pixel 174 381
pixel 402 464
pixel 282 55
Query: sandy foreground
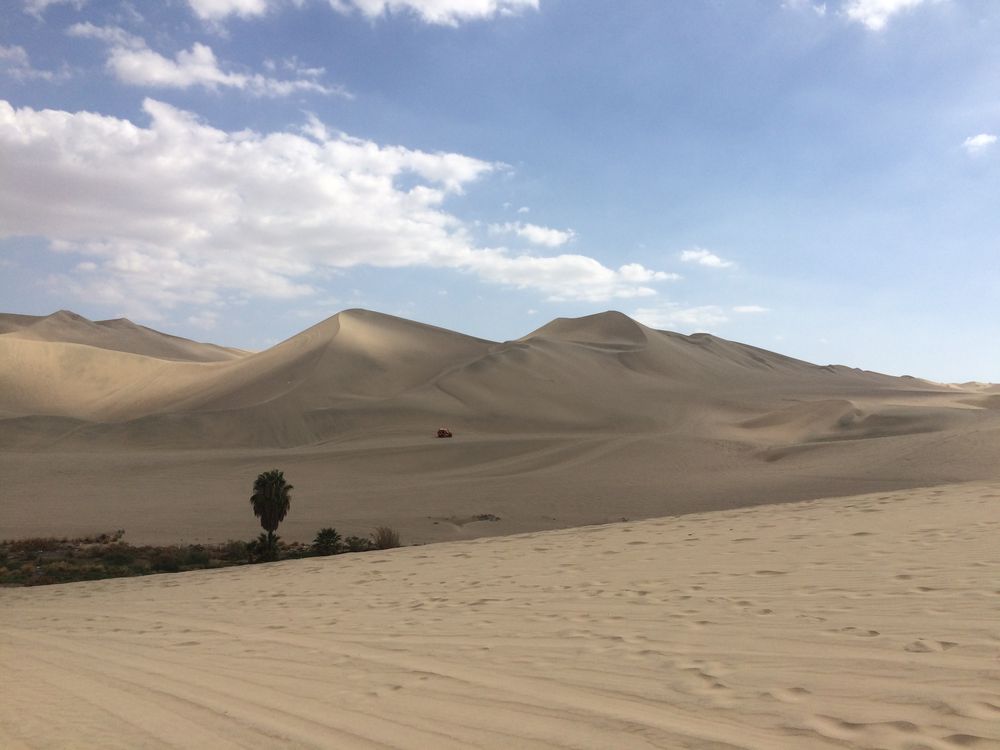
pixel 869 622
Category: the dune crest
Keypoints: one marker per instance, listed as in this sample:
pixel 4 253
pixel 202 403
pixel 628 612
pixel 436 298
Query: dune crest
pixel 603 371
pixel 120 334
pixel 610 328
pixel 583 420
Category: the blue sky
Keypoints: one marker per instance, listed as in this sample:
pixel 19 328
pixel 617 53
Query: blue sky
pixel 820 179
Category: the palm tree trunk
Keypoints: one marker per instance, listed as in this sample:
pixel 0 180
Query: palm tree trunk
pixel 270 543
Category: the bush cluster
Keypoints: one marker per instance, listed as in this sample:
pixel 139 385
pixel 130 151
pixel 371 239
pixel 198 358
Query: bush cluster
pixel 46 560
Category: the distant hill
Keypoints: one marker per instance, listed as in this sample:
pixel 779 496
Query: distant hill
pixel 585 420
pixel 362 372
pixel 119 334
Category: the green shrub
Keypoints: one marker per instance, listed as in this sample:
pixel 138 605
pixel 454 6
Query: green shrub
pixel 32 546
pixel 167 560
pixel 357 544
pixel 263 549
pixel 235 550
pixel 327 542
pixel 197 556
pixel 117 554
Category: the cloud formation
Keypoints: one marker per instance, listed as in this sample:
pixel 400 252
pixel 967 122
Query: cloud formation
pixel 440 12
pixel 37 8
pixel 15 63
pixel 816 7
pixel 674 317
pixel 976 144
pixel 535 234
pixel 181 212
pixel 875 14
pixel 214 10
pixel 133 62
pixel 706 258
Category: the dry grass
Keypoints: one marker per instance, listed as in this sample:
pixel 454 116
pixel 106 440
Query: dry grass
pixel 385 537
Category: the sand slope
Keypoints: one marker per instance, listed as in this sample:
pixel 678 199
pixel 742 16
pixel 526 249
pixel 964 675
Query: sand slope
pixel 584 420
pixel 864 622
pixel 360 372
pixel 119 334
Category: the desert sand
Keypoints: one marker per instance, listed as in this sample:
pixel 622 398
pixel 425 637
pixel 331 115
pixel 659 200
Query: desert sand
pixel 108 424
pixel 862 622
pixel 819 567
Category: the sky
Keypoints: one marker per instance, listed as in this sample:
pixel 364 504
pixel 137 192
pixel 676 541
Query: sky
pixel 818 179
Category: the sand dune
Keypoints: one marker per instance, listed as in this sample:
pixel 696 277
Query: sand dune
pixel 119 334
pixel 376 371
pixel 59 379
pixel 584 420
pixel 863 622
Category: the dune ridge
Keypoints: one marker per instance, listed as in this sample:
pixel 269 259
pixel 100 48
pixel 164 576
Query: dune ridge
pixel 119 334
pixel 583 420
pixel 364 371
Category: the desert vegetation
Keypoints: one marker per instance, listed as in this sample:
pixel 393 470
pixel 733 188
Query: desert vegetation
pixel 45 560
pixel 385 538
pixel 271 499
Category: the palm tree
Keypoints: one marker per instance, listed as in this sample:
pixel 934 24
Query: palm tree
pixel 327 542
pixel 270 501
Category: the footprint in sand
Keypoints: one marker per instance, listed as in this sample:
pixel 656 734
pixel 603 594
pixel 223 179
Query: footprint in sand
pixel 921 646
pixel 810 618
pixel 968 740
pixel 859 632
pixel 788 695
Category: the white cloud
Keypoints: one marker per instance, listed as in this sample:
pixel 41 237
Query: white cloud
pixel 15 63
pixel 750 309
pixel 181 212
pixel 442 12
pixel 564 277
pixel 705 258
pixel 818 8
pixel 37 8
pixel 110 35
pixel 671 316
pixel 875 14
pixel 535 234
pixel 133 62
pixel 214 10
pixel 978 143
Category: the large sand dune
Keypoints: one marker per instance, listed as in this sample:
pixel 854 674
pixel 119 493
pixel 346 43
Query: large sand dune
pixel 111 425
pixel 866 621
pixel 863 622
